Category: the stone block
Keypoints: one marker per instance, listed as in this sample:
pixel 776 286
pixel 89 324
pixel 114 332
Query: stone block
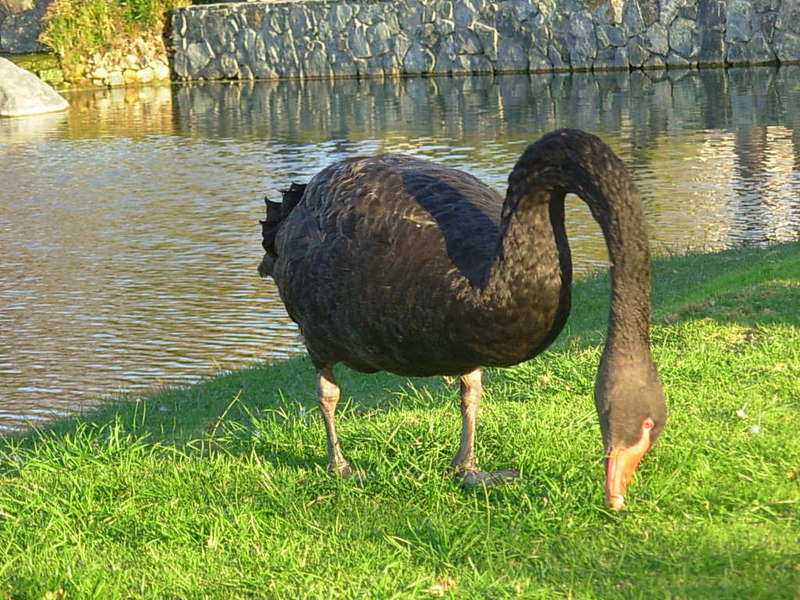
pixel 682 39
pixel 400 46
pixel 371 67
pixel 766 5
pixel 300 21
pixel 379 39
pixel 145 75
pixel 637 53
pixel 760 51
pixel 669 9
pixel 343 64
pixel 739 18
pixel 480 64
pixel 581 40
pixel 655 61
pixel 788 18
pixel 656 39
pixel 409 14
pixel 488 37
pixel 676 60
pixel 445 53
pixel 227 64
pixel 632 18
pixel 649 11
pixel 711 15
pixel 418 59
pixel 315 62
pixel 712 48
pixel 443 9
pixel 787 46
pixel 464 14
pixel 611 58
pixel 610 36
pixel 556 55
pixel 198 55
pixel 467 42
pixel 511 55
pixel 340 16
pixel 506 21
pixel 689 11
pixel 160 70
pixel 538 60
pixel 116 79
pixel 357 41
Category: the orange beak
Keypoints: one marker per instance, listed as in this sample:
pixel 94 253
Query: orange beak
pixel 620 466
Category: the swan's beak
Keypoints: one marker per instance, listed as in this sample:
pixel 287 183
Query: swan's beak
pixel 620 465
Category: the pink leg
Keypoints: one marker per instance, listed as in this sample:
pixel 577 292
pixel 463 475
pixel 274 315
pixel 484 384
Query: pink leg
pixel 471 392
pixel 464 463
pixel 328 393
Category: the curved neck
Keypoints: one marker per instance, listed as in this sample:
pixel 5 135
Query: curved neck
pixel 565 162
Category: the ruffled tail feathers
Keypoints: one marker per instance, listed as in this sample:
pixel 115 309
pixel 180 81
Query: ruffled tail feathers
pixel 276 213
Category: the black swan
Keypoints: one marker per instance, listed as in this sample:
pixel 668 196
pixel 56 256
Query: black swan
pixel 393 263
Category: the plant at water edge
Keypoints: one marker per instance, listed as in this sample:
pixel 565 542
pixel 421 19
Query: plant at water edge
pixel 75 29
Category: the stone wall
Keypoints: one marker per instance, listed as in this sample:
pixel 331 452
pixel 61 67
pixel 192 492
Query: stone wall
pixel 312 39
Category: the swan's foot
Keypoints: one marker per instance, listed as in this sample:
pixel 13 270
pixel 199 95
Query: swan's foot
pixel 471 478
pixel 348 472
pixel 343 469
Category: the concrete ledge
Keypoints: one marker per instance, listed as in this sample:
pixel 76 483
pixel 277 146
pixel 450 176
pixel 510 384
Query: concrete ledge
pixel 345 38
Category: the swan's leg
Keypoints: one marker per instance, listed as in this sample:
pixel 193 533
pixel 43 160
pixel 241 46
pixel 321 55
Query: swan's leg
pixel 464 463
pixel 471 392
pixel 328 392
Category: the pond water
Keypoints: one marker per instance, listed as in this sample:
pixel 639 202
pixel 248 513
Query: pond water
pixel 129 234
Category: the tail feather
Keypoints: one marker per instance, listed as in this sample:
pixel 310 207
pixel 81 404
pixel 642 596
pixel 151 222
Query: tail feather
pixel 276 213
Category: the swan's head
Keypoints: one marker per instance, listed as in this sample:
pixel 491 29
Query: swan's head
pixel 630 404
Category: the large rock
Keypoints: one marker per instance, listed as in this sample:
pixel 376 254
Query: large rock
pixel 22 93
pixel 20 28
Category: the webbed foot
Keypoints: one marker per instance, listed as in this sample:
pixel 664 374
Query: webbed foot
pixel 471 478
pixel 348 472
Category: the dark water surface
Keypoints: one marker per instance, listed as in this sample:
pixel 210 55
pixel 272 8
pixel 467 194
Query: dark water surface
pixel 128 226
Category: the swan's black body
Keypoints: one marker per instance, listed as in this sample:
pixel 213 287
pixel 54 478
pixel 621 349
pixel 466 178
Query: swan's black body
pixel 397 264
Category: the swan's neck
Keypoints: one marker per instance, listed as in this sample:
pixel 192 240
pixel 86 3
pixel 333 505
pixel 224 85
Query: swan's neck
pixel 533 254
pixel 629 311
pixel 532 247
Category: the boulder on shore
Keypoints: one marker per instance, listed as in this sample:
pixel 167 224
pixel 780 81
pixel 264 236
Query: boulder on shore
pixel 22 93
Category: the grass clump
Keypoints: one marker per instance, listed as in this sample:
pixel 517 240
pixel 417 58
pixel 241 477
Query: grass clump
pixel 219 490
pixel 76 29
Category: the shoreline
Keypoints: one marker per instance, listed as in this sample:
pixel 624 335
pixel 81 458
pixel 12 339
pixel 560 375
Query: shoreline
pixel 219 490
pixel 578 320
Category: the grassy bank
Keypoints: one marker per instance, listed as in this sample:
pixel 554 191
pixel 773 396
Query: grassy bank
pixel 219 490
pixel 76 29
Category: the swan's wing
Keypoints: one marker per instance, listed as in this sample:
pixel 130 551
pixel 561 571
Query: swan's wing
pixel 373 242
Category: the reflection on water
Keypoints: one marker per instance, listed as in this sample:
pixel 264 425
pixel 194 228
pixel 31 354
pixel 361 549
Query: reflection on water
pixel 128 226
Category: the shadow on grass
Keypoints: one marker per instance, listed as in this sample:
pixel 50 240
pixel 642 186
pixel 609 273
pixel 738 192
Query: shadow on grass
pixel 748 286
pixel 752 287
pixel 231 412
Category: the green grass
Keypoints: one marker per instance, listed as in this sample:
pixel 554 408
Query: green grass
pixel 219 490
